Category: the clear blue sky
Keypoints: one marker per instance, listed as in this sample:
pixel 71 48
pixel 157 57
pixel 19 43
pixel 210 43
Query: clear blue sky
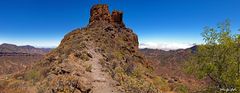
pixel 45 22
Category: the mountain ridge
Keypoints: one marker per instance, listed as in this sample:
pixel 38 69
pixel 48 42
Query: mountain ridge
pixel 11 48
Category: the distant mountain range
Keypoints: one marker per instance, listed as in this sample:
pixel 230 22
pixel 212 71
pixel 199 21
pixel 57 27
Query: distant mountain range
pixel 11 48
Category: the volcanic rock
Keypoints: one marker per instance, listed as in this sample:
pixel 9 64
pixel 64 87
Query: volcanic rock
pixel 100 13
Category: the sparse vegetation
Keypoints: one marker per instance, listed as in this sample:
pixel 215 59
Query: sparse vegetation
pixel 85 56
pixel 32 75
pixel 160 82
pixel 17 62
pixel 135 82
pixel 118 55
pixel 181 88
pixel 89 68
pixel 3 84
pixel 102 61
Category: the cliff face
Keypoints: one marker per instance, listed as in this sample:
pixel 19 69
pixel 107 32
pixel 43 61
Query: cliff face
pixel 100 58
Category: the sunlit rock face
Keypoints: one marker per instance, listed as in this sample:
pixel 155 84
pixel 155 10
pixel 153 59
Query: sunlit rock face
pixel 101 12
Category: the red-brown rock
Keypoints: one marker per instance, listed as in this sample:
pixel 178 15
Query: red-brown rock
pixel 100 12
pixel 117 18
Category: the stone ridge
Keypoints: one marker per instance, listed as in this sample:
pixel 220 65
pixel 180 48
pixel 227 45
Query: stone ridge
pixel 100 12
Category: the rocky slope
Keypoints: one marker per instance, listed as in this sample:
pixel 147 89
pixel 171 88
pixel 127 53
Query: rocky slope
pixel 16 58
pixel 10 48
pixel 15 62
pixel 170 65
pixel 100 58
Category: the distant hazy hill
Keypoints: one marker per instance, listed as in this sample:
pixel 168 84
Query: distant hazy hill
pixel 10 48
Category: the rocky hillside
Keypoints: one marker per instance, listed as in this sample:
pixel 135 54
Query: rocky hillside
pixel 10 48
pixel 15 62
pixel 170 65
pixel 16 58
pixel 102 57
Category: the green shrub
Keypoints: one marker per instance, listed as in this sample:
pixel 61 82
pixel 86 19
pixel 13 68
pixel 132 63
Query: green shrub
pixel 85 56
pixel 138 71
pixel 181 89
pixel 89 68
pixel 3 84
pixel 32 75
pixel 133 84
pixel 160 82
pixel 102 61
pixel 118 55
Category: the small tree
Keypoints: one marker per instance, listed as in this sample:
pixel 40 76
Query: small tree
pixel 218 58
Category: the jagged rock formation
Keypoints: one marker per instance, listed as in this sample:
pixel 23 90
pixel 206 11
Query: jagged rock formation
pixel 101 13
pixel 100 58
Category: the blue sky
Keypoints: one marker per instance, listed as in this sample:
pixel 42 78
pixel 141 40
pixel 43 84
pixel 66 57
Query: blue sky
pixel 171 23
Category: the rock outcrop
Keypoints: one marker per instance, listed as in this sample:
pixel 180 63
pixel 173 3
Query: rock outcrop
pixel 100 58
pixel 117 18
pixel 102 13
